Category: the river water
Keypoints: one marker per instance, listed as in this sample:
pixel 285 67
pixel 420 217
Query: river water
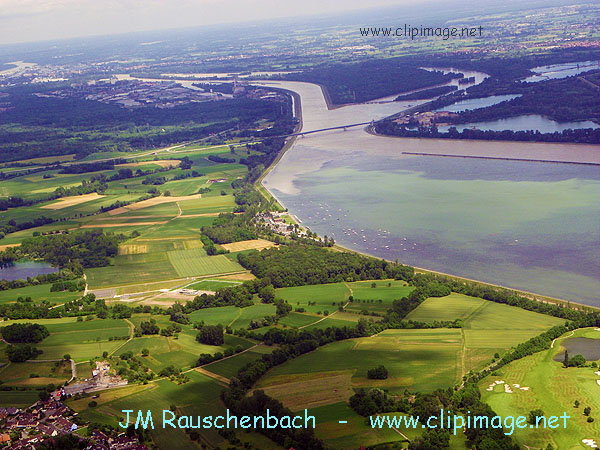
pixel 533 226
pixel 524 123
pixel 558 71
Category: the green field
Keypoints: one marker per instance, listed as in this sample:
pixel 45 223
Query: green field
pixel 298 320
pixel 251 313
pixel 553 389
pixel 22 374
pixel 82 340
pixel 38 293
pixel 420 360
pixel 194 262
pixel 18 399
pixel 214 316
pixel 124 271
pixel 355 430
pixel 323 294
pixel 230 367
pixel 328 296
pixel 181 352
pixel 212 285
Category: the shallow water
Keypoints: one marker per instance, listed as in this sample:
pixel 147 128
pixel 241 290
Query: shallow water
pixel 475 103
pixel 558 71
pixel 586 347
pixel 533 226
pixel 22 270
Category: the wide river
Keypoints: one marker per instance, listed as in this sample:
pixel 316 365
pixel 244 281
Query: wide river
pixel 533 226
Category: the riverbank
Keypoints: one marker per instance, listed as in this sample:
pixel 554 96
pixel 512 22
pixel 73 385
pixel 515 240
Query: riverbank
pixel 538 297
pixel 527 294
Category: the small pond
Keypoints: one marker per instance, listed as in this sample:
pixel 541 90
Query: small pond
pixel 23 269
pixel 586 347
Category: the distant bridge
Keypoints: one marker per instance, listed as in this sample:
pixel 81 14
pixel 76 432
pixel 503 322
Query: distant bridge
pixel 339 127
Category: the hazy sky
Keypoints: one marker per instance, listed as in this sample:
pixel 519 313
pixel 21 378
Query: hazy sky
pixel 35 20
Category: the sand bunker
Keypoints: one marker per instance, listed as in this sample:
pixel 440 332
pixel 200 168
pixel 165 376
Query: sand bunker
pixel 507 387
pixel 70 201
pixel 590 443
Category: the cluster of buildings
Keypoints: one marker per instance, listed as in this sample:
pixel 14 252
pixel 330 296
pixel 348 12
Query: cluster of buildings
pixel 101 379
pixel 135 93
pixel 426 119
pixel 29 73
pixel 44 421
pixel 275 222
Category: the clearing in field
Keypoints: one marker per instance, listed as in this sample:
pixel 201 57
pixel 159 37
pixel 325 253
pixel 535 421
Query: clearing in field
pixel 71 201
pixel 152 202
pixel 194 262
pixel 254 244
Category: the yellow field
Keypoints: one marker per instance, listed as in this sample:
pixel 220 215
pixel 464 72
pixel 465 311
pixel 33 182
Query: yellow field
pixel 71 201
pixel 254 244
pixel 132 249
pixel 160 162
pixel 237 277
pixel 4 247
pixel 151 202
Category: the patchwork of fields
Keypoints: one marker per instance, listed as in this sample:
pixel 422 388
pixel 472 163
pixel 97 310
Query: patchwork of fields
pixel 421 360
pixel 163 253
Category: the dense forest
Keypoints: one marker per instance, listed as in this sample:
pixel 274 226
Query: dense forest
pixel 580 136
pixel 364 81
pixel 72 250
pixel 569 99
pixel 24 333
pixel 296 265
pixel 36 126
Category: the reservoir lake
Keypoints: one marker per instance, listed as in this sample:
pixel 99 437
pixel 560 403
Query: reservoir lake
pixel 533 226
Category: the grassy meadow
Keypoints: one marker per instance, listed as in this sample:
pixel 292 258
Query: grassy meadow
pixel 553 389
